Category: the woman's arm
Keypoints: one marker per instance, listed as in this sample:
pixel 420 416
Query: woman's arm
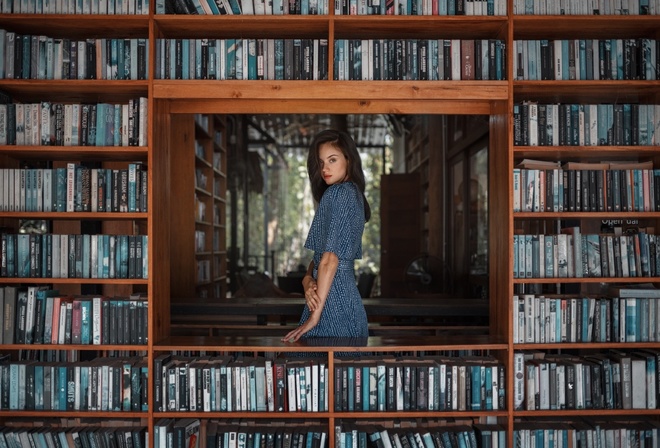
pixel 309 287
pixel 326 273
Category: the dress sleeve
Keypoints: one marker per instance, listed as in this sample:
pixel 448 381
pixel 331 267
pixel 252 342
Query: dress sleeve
pixel 341 229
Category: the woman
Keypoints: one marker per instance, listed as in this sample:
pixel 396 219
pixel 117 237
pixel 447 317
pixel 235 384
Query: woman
pixel 333 304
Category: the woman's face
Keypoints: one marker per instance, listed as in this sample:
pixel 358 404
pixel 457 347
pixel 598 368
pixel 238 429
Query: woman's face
pixel 333 164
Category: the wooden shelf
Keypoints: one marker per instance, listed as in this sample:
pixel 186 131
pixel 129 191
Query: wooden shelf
pixel 585 153
pixel 246 26
pixel 82 153
pixel 374 343
pixel 78 26
pixel 587 280
pixel 586 91
pixel 74 281
pixel 74 90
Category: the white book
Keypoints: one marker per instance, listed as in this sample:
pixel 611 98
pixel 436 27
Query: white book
pixel 75 124
pixel 143 130
pixel 62 324
pixel 247 7
pixel 68 123
pixel 533 124
pixel 97 304
pixel 82 56
pixel 558 59
pixel 638 382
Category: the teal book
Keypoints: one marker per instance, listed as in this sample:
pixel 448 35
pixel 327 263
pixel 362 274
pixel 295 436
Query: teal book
pixel 61 387
pixel 109 118
pixel 85 322
pixel 116 125
pixel 40 313
pixel 99 136
pixel 631 319
pixel 121 59
pixel 86 256
pixel 475 386
pixel 488 388
pixel 23 255
pixel 350 369
pixel 123 259
pixel 365 388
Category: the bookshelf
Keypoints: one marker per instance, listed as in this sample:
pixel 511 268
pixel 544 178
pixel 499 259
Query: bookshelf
pixel 599 347
pixel 199 267
pixel 168 100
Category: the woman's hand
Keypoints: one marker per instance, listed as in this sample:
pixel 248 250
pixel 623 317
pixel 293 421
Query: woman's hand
pixel 296 334
pixel 311 296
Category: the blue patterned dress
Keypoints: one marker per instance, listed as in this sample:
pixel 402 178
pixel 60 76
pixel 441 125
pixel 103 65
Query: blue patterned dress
pixel 337 227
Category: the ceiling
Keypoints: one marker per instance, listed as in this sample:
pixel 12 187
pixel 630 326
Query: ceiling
pixel 295 131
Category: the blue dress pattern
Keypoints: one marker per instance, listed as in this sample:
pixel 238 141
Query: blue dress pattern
pixel 337 227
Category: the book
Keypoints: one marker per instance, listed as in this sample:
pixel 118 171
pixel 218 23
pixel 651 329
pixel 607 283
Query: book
pixel 642 290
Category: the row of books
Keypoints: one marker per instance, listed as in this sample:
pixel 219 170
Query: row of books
pixel 586 433
pixel 422 384
pixel 346 7
pixel 43 57
pixel 245 7
pixel 547 320
pixel 38 315
pixel 420 59
pixel 610 380
pixel 102 384
pixel 74 256
pixel 75 188
pixel 242 59
pixel 186 433
pixel 586 187
pixel 422 7
pixel 619 124
pixel 586 59
pixel 83 436
pixel 586 7
pixel 64 124
pixel 442 435
pixel 227 384
pixel 76 7
pixel 573 255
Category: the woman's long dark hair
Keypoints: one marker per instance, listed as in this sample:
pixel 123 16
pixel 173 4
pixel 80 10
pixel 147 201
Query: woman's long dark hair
pixel 343 142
